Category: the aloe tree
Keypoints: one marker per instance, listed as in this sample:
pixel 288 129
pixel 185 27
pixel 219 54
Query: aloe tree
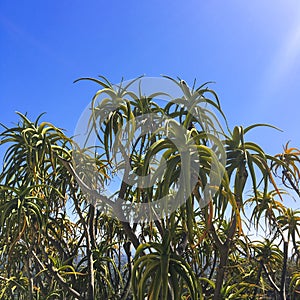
pixel 62 236
pixel 39 241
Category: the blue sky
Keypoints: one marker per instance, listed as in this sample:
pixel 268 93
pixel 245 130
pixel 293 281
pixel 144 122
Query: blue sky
pixel 251 49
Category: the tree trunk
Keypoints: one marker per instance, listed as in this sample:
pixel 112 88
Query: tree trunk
pixel 223 249
pixel 30 278
pixel 282 295
pixel 257 281
pixel 221 272
pixel 90 247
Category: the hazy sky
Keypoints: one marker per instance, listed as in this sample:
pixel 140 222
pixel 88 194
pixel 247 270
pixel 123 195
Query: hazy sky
pixel 251 49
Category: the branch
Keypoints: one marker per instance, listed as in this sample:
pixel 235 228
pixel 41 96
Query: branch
pixel 94 194
pixel 288 176
pixel 60 279
pixel 216 237
pixel 270 278
pixel 231 231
